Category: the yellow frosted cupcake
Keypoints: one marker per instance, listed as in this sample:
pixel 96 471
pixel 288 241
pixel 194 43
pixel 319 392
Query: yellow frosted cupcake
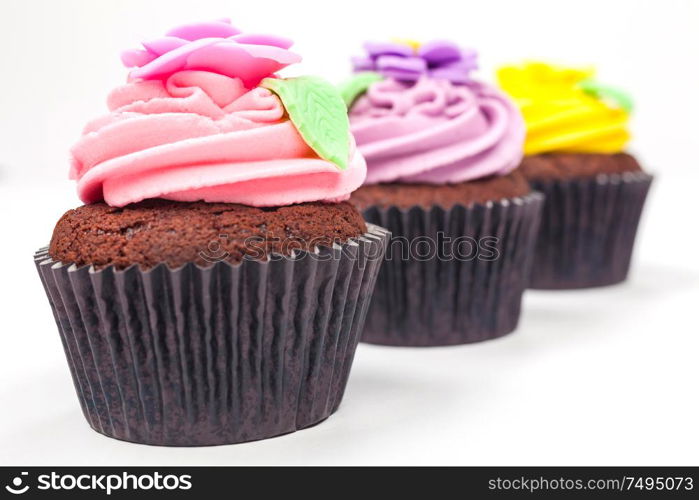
pixel 577 132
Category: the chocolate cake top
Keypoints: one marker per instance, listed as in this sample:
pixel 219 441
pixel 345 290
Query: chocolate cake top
pixel 405 195
pixel 176 233
pixel 559 166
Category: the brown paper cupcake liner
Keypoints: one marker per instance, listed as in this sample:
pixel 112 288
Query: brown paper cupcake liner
pixel 224 354
pixel 587 231
pixel 454 296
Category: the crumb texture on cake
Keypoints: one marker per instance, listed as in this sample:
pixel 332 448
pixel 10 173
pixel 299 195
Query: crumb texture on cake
pixel 560 166
pixel 404 195
pixel 176 233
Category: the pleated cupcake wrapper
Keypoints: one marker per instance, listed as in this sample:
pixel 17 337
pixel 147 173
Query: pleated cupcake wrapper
pixel 588 228
pixel 442 300
pixel 224 354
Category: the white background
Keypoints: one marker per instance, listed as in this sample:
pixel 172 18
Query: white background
pixel 604 376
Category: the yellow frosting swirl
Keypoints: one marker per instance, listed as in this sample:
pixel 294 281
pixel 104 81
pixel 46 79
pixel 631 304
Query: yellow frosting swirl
pixel 565 110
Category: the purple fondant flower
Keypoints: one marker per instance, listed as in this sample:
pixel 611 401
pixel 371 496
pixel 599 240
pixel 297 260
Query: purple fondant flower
pixel 214 46
pixel 436 59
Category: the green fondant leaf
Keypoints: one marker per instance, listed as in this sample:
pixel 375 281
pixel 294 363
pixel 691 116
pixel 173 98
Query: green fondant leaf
pixel 318 113
pixel 618 96
pixel 351 89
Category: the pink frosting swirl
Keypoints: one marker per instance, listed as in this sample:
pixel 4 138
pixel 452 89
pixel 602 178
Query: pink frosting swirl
pixel 435 131
pixel 198 135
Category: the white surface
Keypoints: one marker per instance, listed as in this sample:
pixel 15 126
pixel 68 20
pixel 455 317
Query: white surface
pixel 605 376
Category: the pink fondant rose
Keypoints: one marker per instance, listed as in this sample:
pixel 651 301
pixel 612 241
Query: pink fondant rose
pixel 214 46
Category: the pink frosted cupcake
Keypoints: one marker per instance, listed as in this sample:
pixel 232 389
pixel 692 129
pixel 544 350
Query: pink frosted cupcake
pixel 441 151
pixel 213 287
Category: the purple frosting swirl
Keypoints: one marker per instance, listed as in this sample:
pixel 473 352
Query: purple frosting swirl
pixel 437 132
pixel 440 59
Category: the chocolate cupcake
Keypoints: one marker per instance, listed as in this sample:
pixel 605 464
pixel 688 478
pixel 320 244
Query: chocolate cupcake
pixel 441 149
pixel 213 288
pixel 577 130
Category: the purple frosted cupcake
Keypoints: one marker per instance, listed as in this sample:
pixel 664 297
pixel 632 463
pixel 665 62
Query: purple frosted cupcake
pixel 441 151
